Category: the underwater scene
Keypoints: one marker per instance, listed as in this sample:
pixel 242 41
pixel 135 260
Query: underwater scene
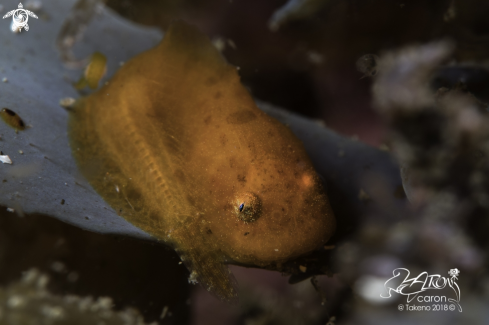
pixel 309 162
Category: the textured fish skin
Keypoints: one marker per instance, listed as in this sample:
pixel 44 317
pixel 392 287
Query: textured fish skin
pixel 177 145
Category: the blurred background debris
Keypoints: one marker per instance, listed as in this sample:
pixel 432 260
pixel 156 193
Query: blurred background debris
pixel 134 274
pixel 28 302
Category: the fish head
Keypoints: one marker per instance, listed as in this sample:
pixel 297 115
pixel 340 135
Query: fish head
pixel 268 203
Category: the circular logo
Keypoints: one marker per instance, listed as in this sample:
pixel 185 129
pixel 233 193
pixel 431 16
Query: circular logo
pixel 400 307
pixel 20 17
pixel 452 307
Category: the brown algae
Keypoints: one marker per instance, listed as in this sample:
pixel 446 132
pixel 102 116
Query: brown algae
pixel 197 165
pixel 12 119
pixel 95 70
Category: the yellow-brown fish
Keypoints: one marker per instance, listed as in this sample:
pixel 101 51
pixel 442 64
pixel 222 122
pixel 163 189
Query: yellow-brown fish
pixel 178 147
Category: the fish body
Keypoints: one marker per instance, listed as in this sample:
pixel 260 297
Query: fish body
pixel 178 147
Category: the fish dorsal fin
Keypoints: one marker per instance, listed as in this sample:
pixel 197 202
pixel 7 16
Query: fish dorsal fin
pixel 187 40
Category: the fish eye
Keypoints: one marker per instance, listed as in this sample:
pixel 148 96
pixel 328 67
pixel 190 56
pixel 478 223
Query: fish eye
pixel 247 207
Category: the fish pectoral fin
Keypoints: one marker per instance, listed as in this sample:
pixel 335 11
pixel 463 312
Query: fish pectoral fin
pixel 208 269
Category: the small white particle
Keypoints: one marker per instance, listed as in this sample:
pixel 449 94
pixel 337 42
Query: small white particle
pixel 42 282
pixel 4 79
pixel 104 303
pixel 368 286
pixel 10 210
pixel 5 159
pixel 276 249
pixel 15 301
pixel 52 312
pixel 29 276
pixel 67 102
pixel 193 278
pixel 219 44
pixel 21 152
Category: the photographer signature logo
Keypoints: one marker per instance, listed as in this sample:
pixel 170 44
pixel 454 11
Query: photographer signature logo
pixel 414 287
pixel 20 17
